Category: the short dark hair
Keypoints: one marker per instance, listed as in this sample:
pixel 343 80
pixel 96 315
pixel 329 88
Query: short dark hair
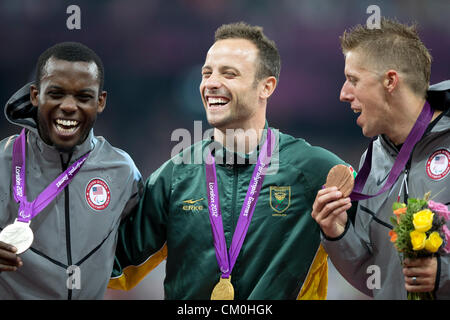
pixel 394 45
pixel 270 62
pixel 70 51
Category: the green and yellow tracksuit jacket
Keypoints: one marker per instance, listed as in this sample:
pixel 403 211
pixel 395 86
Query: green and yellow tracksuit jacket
pixel 281 257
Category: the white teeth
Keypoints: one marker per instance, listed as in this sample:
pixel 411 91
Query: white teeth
pixel 67 123
pixel 217 100
pixel 64 130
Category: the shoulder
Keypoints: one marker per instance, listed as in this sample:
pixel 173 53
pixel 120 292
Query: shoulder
pixel 181 164
pixel 112 156
pixel 311 162
pixel 6 146
pixel 299 153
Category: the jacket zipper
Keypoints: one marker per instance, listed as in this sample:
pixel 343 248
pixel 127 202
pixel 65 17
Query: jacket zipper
pixel 67 222
pixel 233 201
pixel 407 168
pixel 233 213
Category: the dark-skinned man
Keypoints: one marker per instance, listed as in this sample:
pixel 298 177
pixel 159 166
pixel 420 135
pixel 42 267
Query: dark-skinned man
pixel 65 190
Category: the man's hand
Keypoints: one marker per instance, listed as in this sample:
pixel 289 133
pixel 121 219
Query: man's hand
pixel 9 261
pixel 423 270
pixel 330 211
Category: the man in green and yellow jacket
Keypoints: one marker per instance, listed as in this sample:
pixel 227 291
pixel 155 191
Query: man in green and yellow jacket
pixel 279 256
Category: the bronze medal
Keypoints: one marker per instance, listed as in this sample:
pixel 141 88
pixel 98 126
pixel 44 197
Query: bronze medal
pixel 223 290
pixel 341 176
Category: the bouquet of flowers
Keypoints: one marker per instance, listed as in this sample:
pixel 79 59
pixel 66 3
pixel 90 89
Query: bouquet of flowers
pixel 420 231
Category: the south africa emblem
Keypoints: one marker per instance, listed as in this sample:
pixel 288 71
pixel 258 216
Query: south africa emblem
pixel 280 198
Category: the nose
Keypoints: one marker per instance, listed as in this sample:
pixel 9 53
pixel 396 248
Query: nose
pixel 211 82
pixel 346 93
pixel 69 104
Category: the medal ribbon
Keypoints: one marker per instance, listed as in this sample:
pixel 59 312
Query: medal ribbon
pixel 402 158
pixel 28 210
pixel 226 260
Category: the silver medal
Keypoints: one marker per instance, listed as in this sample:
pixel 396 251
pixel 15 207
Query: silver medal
pixel 19 235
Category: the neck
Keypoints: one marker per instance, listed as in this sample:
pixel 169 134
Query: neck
pixel 405 117
pixel 242 140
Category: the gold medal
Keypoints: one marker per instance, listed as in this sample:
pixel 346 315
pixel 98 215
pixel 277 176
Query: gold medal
pixel 223 290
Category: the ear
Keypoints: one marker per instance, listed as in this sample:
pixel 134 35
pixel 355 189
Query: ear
pixel 269 84
pixel 101 102
pixel 34 93
pixel 391 80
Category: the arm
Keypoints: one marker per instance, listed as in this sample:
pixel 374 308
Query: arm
pixel 142 234
pixel 443 278
pixel 348 251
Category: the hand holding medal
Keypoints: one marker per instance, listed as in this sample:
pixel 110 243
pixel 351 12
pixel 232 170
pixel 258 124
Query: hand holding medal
pixel 19 234
pixel 330 204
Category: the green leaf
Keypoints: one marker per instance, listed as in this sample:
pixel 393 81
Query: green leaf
pixel 398 205
pixel 394 221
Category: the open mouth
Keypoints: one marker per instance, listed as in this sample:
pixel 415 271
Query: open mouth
pixel 217 102
pixel 66 127
pixel 356 110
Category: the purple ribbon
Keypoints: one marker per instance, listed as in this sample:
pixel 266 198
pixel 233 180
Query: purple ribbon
pixel 225 259
pixel 402 158
pixel 28 210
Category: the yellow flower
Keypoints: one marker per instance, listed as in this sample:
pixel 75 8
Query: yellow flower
pixel 423 220
pixel 433 242
pixel 418 239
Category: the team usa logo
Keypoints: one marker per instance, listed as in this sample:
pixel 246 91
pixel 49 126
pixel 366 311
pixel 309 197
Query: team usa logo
pixel 97 193
pixel 438 164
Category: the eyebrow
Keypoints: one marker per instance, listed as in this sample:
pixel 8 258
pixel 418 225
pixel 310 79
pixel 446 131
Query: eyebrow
pixel 86 90
pixel 221 68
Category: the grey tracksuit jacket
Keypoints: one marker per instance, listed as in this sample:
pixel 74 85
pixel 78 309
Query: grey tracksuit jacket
pixel 365 248
pixel 74 241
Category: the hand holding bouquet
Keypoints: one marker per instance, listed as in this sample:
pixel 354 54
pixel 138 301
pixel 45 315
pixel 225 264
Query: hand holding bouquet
pixel 420 231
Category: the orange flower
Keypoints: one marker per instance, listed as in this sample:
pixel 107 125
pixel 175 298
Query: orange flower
pixel 393 235
pixel 399 212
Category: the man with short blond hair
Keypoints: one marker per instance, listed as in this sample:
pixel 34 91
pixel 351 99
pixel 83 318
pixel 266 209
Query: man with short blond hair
pixel 387 74
pixel 393 46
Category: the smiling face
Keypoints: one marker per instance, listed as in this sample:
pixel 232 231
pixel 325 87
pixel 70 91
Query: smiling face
pixel 229 92
pixel 68 101
pixel 365 92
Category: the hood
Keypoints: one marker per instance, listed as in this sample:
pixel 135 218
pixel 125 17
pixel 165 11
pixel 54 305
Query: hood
pixel 20 111
pixel 438 95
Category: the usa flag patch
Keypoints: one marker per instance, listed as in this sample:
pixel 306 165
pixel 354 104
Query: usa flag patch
pixel 438 164
pixel 98 194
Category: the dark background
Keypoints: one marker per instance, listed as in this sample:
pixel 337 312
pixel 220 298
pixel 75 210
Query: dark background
pixel 153 51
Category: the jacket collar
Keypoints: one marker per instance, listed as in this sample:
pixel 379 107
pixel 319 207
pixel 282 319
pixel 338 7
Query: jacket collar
pixel 51 154
pixel 223 156
pixel 437 126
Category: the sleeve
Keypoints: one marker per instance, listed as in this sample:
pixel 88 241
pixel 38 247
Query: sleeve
pixel 320 163
pixel 137 189
pixel 442 285
pixel 142 237
pixel 351 257
pixel 349 253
